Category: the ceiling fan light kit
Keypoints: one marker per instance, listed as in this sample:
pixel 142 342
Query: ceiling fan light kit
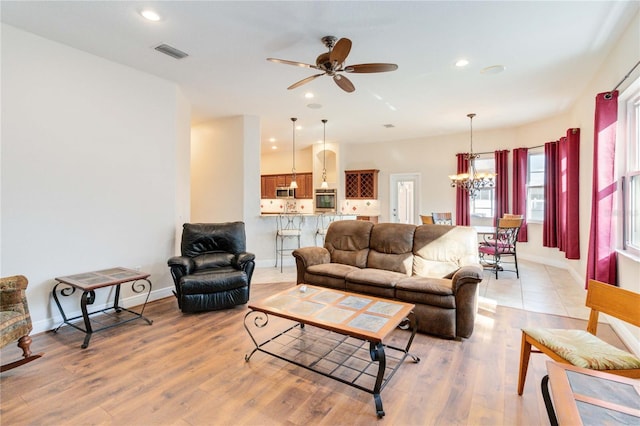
pixel 332 62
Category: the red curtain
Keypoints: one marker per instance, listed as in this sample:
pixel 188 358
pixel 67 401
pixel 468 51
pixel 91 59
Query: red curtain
pixel 463 209
pixel 549 224
pixel 502 184
pixel 561 195
pixel 519 198
pixel 601 257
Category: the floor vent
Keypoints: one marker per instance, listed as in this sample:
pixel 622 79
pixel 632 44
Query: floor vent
pixel 171 51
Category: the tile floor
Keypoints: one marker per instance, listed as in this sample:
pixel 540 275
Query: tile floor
pixel 540 288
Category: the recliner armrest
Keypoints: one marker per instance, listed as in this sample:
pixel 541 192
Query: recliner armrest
pixel 184 264
pixel 242 258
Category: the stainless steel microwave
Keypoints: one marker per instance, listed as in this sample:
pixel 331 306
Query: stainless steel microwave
pixel 285 192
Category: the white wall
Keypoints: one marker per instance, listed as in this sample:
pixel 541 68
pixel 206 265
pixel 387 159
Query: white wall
pixel 93 168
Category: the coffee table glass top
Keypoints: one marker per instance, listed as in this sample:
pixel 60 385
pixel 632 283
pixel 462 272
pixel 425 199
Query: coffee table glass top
pixel 367 317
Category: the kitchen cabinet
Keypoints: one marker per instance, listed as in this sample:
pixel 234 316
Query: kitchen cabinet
pixel 269 183
pixel 360 184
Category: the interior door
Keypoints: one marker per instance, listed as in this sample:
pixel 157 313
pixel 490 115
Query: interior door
pixel 404 198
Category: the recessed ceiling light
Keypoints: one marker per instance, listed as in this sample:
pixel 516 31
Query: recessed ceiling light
pixel 309 95
pixel 272 140
pixel 494 69
pixel 462 63
pixel 150 15
pixel 298 127
pixel 274 147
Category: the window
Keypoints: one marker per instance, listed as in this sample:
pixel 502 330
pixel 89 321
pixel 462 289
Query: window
pixel 483 204
pixel 629 165
pixel 535 187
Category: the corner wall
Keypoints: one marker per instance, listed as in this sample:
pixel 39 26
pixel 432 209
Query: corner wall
pixel 92 171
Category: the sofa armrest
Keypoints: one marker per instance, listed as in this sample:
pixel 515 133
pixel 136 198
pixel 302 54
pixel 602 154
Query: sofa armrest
pixel 466 275
pixel 309 256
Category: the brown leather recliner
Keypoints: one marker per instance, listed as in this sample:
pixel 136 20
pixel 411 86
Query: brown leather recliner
pixel 214 271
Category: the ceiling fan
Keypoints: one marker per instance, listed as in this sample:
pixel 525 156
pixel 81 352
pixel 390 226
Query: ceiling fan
pixel 332 62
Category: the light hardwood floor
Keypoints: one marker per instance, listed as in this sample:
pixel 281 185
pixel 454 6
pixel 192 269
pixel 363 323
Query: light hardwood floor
pixel 190 370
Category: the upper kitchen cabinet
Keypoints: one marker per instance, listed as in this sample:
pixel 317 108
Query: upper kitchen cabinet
pixel 269 183
pixel 360 184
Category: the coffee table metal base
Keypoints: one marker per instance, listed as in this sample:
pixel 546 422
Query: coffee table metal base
pixel 347 359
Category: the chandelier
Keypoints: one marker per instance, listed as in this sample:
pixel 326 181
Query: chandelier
pixel 293 184
pixel 472 181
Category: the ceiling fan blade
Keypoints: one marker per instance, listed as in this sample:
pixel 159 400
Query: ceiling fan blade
pixel 297 64
pixel 304 81
pixel 340 51
pixel 367 68
pixel 344 83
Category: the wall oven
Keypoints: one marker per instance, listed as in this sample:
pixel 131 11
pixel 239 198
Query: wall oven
pixel 325 200
pixel 285 192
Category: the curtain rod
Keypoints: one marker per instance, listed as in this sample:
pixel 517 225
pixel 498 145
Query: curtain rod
pixel 608 95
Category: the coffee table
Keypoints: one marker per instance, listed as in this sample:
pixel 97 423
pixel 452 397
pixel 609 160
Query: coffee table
pixel 335 333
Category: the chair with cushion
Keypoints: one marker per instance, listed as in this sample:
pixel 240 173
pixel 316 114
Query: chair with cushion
pixel 214 271
pixel 495 247
pixel 442 218
pixel 323 222
pixel 426 219
pixel 583 348
pixel 15 320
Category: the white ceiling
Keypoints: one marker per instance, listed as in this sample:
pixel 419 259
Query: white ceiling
pixel 551 50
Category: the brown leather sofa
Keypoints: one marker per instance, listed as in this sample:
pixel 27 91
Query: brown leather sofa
pixel 434 267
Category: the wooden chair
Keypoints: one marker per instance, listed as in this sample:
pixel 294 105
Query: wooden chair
pixel 512 216
pixel 494 248
pixel 426 219
pixel 15 320
pixel 442 218
pixel 583 348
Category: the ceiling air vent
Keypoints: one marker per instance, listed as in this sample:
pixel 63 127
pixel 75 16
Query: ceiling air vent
pixel 171 51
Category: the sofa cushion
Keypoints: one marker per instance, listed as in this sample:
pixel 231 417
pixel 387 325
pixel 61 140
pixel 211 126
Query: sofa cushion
pixel 440 250
pixel 376 282
pixel 348 242
pixel 391 247
pixel 426 291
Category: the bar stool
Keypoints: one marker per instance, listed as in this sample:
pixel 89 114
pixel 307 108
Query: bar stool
pixel 289 226
pixel 323 222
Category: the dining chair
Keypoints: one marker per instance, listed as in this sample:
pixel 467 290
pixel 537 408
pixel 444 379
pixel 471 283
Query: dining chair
pixel 442 218
pixel 512 216
pixel 583 348
pixel 494 247
pixel 426 219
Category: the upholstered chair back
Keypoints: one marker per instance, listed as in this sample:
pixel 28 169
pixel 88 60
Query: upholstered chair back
pixel 439 250
pixel 391 247
pixel 348 242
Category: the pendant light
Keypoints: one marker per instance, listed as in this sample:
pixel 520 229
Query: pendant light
pixel 294 184
pixel 324 184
